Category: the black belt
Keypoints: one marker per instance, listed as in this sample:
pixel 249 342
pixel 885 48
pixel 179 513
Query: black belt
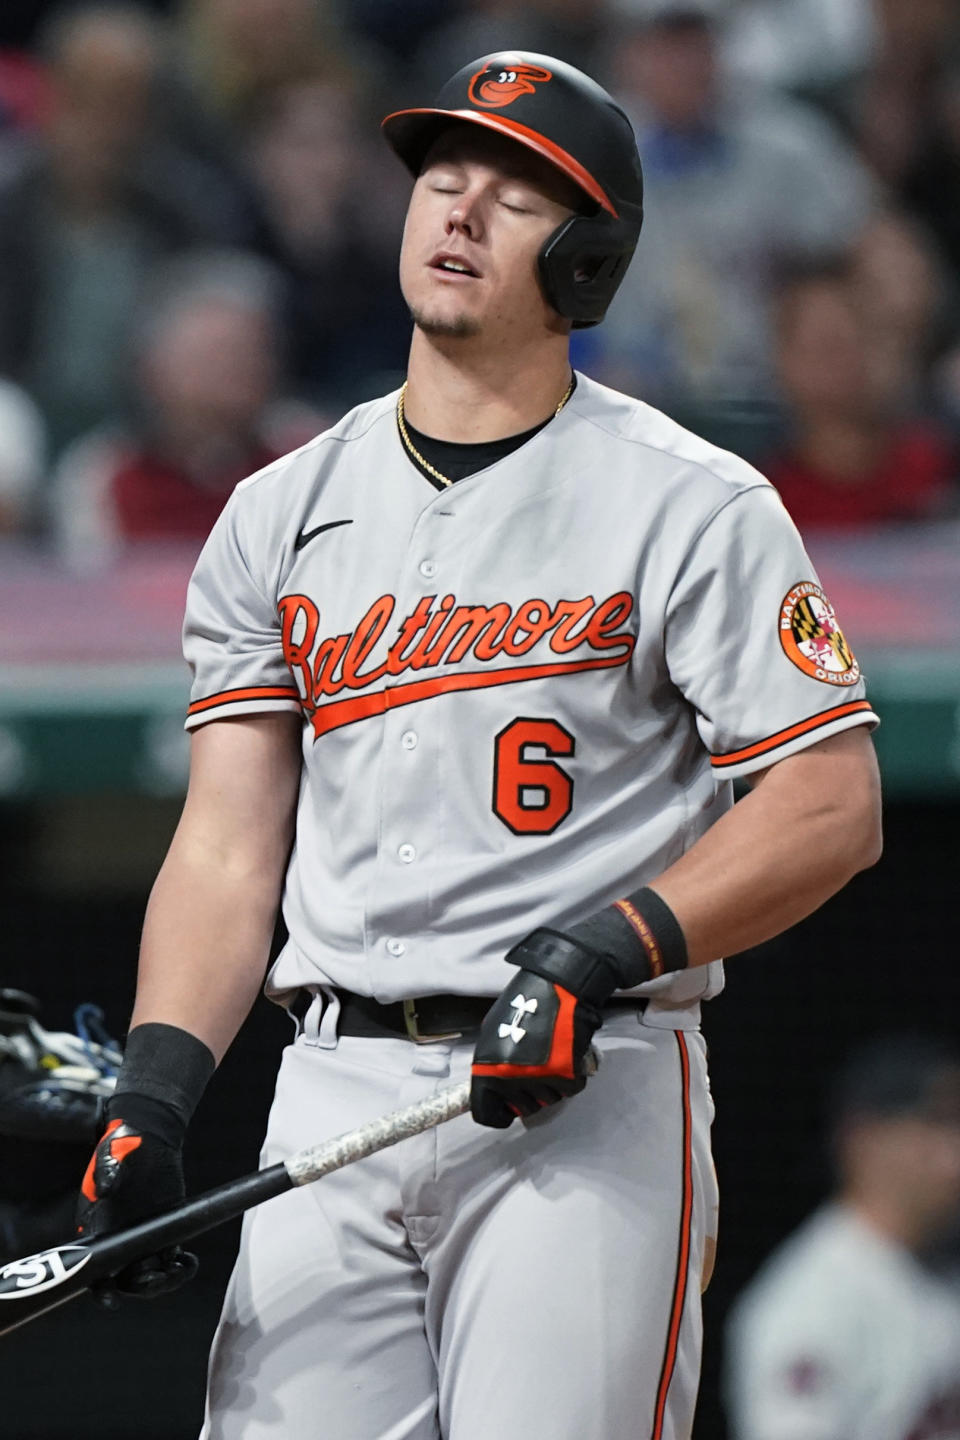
pixel 425 1019
pixel 429 1017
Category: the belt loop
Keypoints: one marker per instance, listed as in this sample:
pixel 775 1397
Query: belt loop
pixel 326 1035
pixel 310 1024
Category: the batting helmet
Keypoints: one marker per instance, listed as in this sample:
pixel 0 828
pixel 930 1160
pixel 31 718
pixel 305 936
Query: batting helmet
pixel 570 120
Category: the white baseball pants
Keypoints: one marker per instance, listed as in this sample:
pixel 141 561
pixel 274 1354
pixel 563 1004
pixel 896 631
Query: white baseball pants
pixel 537 1283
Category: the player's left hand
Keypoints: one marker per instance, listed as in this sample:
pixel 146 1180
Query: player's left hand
pixel 534 1040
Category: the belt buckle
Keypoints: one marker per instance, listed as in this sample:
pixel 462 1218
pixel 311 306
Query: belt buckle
pixel 412 1029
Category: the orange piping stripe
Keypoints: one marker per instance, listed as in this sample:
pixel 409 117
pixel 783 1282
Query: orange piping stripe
pixel 782 736
pixel 360 707
pixel 255 692
pixel 683 1256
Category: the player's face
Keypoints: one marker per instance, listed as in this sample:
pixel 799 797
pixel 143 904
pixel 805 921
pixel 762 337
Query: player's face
pixel 480 211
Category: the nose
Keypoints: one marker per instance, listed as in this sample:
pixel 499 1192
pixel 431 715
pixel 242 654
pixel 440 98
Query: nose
pixel 464 217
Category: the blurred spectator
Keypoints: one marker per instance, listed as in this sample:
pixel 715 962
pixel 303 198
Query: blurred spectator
pixel 572 30
pixel 906 112
pixel 932 184
pixel 23 457
pixel 805 46
pixel 845 1334
pixel 335 208
pixel 22 91
pixel 853 458
pixel 237 52
pixel 737 185
pixel 97 199
pixel 207 373
pixel 397 29
pixel 948 391
pixel 899 282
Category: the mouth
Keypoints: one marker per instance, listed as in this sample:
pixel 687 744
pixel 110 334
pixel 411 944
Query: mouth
pixel 453 266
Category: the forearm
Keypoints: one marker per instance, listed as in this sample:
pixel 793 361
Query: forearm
pixel 810 823
pixel 212 911
pixel 206 941
pixel 779 853
pixel 751 877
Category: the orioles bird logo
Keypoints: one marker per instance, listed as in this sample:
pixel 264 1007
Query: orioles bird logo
pixel 495 88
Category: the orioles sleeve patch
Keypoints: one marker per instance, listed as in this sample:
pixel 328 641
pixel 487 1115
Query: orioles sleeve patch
pixel 811 636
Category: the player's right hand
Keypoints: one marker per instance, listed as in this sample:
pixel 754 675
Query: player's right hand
pixel 136 1171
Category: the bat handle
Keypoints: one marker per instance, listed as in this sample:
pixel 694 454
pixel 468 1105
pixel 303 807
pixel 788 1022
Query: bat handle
pixel 308 1165
pixel 317 1160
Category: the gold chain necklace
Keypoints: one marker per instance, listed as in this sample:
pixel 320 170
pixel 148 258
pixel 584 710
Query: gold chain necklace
pixel 402 425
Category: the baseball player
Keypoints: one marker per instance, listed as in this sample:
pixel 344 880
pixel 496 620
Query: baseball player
pixel 473 672
pixel 846 1333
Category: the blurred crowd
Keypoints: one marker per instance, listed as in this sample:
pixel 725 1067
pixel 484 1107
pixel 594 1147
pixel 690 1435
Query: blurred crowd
pixel 199 227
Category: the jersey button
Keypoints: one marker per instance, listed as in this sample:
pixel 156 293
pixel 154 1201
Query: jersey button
pixel 407 854
pixel 409 739
pixel 428 568
pixel 396 947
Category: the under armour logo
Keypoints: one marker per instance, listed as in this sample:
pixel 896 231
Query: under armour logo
pixel 515 1030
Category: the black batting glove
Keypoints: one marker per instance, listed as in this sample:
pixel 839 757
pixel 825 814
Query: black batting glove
pixel 534 1040
pixel 135 1172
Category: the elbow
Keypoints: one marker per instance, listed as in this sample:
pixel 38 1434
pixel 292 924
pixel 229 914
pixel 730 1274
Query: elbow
pixel 854 839
pixel 865 833
pixel 870 845
pixel 863 802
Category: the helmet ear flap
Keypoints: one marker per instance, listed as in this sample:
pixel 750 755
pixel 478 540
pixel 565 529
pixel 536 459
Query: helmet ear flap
pixel 582 263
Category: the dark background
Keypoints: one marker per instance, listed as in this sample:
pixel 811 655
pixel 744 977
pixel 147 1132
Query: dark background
pixel 880 957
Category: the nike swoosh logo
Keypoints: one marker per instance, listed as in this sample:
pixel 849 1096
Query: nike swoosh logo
pixel 306 536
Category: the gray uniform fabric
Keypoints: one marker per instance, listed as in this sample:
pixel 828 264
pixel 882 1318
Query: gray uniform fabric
pixel 534 1284
pixel 617 585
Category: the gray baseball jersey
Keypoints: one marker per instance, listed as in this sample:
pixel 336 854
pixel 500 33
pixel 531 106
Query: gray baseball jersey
pixel 523 696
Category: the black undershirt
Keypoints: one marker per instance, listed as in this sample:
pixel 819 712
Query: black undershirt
pixel 456 460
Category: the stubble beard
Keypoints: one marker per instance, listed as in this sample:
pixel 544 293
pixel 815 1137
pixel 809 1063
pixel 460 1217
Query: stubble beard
pixel 457 327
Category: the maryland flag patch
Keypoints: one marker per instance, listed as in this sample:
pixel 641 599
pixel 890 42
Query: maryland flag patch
pixel 812 638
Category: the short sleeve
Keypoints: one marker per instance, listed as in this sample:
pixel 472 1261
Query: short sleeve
pixel 754 644
pixel 231 631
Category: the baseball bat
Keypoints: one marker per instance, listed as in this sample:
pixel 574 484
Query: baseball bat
pixel 38 1283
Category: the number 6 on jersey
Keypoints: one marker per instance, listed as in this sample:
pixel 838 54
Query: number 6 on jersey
pixel 532 796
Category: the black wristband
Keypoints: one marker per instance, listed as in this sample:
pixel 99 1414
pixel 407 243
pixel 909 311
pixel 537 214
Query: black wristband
pixel 657 928
pixel 640 935
pixel 149 1116
pixel 165 1063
